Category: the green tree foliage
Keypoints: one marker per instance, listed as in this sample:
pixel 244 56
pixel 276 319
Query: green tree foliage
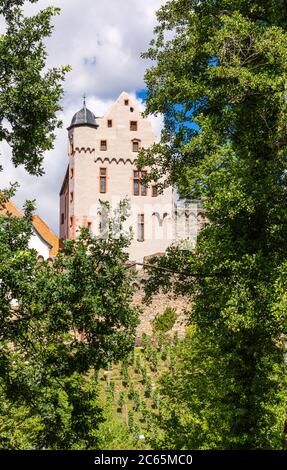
pixel 113 434
pixel 29 100
pixel 219 78
pixel 29 92
pixel 70 318
pixel 60 322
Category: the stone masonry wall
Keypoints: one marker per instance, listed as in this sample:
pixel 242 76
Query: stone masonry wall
pixel 159 303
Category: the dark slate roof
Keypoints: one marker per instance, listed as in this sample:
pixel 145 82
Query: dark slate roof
pixel 84 117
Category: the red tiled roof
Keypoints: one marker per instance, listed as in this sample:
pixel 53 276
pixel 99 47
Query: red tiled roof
pixel 39 225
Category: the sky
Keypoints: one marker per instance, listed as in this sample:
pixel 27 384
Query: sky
pixel 102 41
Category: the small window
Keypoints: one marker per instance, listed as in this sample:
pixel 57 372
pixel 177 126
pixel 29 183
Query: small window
pixel 103 145
pixel 141 227
pixel 131 109
pixel 110 123
pixel 136 183
pixel 154 190
pixel 103 180
pixel 136 145
pixel 71 221
pixel 72 173
pixel 139 186
pixel 143 184
pixel 126 102
pixel 90 228
pixel 133 125
pixel 62 218
pixel 71 197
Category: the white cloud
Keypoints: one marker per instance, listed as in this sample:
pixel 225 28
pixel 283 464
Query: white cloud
pixel 102 41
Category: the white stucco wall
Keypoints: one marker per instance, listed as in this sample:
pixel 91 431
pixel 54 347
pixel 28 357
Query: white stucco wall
pixel 39 245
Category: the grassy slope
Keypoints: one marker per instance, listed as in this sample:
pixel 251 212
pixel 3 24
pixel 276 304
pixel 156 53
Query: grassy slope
pixel 137 380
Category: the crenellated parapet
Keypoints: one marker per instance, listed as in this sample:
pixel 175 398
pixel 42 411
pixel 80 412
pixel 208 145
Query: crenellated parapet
pixel 110 160
pixel 89 150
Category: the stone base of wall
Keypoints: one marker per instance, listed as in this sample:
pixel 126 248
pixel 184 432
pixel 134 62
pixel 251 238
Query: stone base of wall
pixel 159 303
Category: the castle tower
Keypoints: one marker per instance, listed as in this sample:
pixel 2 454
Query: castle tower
pixel 103 156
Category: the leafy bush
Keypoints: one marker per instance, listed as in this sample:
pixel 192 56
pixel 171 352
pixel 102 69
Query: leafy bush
pixel 137 400
pixel 111 390
pixel 131 392
pixel 172 362
pixel 164 322
pixel 113 433
pixel 148 389
pixel 131 420
pixel 138 366
pixel 125 374
pixel 175 339
pixel 144 375
pixel 121 401
pixel 131 358
pixel 155 400
pixel 154 360
pixel 164 354
pixel 144 411
pixel 144 339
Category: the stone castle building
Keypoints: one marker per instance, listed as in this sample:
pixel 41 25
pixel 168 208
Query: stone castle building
pixel 102 165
